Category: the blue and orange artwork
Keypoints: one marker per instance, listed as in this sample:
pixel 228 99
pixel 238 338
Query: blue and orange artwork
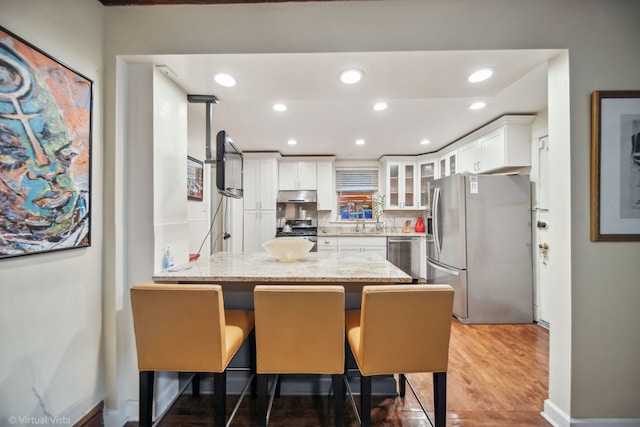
pixel 45 151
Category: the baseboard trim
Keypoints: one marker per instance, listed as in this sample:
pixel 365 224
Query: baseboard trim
pixel 559 418
pixel 93 418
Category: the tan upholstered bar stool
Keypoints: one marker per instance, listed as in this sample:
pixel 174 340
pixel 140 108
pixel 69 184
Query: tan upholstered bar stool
pixel 185 328
pixel 299 330
pixel 401 329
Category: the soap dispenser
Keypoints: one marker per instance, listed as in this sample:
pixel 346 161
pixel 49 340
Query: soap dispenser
pixel 167 259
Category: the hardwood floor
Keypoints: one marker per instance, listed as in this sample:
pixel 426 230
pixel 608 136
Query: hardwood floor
pixel 498 377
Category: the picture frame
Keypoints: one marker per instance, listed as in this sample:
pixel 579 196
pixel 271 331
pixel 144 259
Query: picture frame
pixel 615 165
pixel 195 179
pixel 46 124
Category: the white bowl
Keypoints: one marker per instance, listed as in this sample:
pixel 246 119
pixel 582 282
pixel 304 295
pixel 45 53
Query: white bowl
pixel 287 249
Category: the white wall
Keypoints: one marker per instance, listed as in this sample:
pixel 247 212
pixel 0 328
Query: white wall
pixel 51 360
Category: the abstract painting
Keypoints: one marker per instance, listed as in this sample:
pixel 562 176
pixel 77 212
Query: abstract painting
pixel 45 151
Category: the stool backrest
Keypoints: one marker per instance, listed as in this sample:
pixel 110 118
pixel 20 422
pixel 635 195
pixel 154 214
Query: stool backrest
pixel 299 329
pixel 179 327
pixel 405 328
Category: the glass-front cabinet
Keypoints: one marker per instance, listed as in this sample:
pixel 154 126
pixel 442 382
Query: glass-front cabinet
pixel 401 183
pixel 427 172
pixel 448 163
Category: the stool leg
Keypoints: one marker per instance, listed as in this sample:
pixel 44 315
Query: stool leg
pixel 195 384
pixel 365 401
pixel 146 398
pixel 252 363
pixel 338 402
pixel 440 398
pixel 403 384
pixel 220 397
pixel 263 391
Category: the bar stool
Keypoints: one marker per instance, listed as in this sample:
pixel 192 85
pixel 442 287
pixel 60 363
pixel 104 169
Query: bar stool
pixel 401 329
pixel 299 330
pixel 185 328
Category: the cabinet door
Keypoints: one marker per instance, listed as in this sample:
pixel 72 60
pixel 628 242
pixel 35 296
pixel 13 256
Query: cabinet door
pixel 268 183
pixel 380 250
pixel 393 185
pixel 267 225
pixel 326 188
pixel 327 244
pixel 469 157
pixel 307 176
pixel 492 150
pixel 409 186
pixel 426 174
pixel 252 241
pixel 288 177
pixel 250 176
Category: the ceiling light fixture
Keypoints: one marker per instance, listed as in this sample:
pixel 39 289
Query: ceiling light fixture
pixel 477 105
pixel 351 76
pixel 279 107
pixel 360 142
pixel 292 142
pixel 380 106
pixel 425 142
pixel 480 75
pixel 225 80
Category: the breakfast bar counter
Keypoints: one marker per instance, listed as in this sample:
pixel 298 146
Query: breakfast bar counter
pixel 260 267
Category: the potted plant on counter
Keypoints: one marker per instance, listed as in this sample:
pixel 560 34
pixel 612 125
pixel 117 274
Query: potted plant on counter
pixel 378 210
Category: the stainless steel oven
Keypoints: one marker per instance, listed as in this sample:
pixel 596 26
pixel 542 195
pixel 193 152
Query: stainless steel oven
pixel 305 228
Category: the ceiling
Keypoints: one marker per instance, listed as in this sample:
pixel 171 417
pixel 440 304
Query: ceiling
pixel 427 94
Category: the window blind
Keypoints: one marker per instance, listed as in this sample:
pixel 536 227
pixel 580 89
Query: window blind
pixel 357 180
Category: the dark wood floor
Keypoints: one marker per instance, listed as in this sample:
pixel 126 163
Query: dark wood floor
pixel 498 377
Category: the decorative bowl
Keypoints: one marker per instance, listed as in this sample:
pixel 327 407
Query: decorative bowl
pixel 287 249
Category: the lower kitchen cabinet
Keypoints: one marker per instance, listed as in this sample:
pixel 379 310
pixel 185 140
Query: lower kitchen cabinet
pixel 259 226
pixel 377 245
pixel 327 244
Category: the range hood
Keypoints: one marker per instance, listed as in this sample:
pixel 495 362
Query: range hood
pixel 297 196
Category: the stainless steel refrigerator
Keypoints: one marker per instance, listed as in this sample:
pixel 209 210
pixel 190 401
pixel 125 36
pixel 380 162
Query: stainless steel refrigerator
pixel 481 246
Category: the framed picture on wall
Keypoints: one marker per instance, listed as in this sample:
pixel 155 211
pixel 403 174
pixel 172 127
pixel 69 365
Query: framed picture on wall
pixel 194 179
pixel 615 166
pixel 45 151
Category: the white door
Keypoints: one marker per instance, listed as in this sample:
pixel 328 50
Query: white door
pixel 541 234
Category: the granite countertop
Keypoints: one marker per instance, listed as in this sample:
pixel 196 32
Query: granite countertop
pixel 260 267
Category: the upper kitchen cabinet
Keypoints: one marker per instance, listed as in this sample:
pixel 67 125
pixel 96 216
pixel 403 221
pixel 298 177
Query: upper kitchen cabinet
pixel 260 181
pixel 501 145
pixel 427 172
pixel 326 186
pixel 297 175
pixel 448 163
pixel 401 183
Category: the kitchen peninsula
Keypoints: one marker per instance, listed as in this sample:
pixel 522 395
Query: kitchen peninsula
pixel 239 272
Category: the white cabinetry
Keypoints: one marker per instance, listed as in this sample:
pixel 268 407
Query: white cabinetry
pixel 260 194
pixel 260 182
pixel 503 144
pixel 427 172
pixel 448 163
pixel 400 183
pixel 326 186
pixel 297 175
pixel 327 244
pixel 369 245
pixel 259 226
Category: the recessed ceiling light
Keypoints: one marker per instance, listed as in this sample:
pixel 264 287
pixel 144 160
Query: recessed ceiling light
pixel 425 142
pixel 351 76
pixel 480 75
pixel 279 107
pixel 477 105
pixel 292 142
pixel 360 141
pixel 225 80
pixel 380 106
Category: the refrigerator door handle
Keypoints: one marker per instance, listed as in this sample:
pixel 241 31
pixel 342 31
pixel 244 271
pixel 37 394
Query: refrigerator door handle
pixel 436 219
pixel 446 270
